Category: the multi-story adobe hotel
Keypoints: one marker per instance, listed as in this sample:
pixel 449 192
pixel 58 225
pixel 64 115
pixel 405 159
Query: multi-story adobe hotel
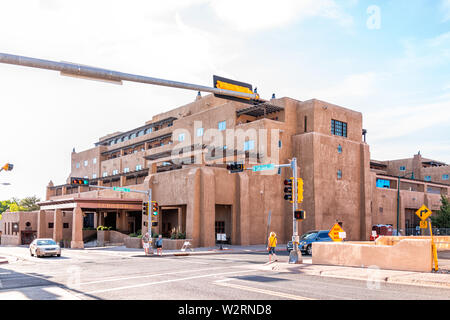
pixel 182 154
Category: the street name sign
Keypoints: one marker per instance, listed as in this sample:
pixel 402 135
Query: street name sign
pixel 264 167
pixel 122 189
pixel 423 213
pixel 337 233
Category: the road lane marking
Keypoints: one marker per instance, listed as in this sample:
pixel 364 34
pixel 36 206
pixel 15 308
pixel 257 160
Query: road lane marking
pixel 165 281
pixel 263 291
pixel 150 275
pixel 224 283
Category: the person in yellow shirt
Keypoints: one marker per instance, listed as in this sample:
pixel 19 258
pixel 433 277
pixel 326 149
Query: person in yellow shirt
pixel 272 243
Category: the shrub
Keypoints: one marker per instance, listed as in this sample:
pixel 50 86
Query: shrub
pixel 103 228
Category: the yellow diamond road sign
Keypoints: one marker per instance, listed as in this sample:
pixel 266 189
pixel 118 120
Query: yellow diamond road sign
pixel 336 233
pixel 423 213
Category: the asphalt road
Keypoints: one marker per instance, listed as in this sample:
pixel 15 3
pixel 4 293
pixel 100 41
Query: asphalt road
pixel 129 275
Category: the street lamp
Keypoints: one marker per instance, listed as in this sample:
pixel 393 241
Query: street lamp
pixel 398 197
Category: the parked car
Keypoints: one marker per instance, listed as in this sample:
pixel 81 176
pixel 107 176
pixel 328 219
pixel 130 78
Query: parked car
pixel 306 240
pixel 44 247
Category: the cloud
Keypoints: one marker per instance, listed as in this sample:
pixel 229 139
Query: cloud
pixel 251 16
pixel 401 121
pixel 351 86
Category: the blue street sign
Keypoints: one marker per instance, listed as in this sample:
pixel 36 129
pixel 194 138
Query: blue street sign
pixel 264 167
pixel 121 189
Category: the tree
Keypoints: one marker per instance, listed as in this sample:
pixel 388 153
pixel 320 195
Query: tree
pixel 442 218
pixel 4 205
pixel 29 203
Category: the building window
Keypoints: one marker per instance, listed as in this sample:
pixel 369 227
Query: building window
pixel 382 183
pixel 126 170
pixel 402 168
pixel 279 144
pixel 105 174
pixel 427 178
pixel 138 167
pixel 339 128
pixel 77 165
pixel 115 172
pixel 339 174
pixel 181 137
pixel 445 177
pixel 50 225
pixel 94 161
pixel 133 136
pixel 66 225
pixel 222 125
pixel 85 177
pixel 249 145
pixel 339 149
pixel 94 176
pixel 199 132
pixel 86 163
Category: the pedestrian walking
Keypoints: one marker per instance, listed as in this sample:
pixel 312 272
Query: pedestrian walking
pixel 159 244
pixel 146 243
pixel 272 243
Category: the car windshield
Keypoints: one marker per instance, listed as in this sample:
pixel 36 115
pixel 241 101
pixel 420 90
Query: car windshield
pixel 45 242
pixel 309 235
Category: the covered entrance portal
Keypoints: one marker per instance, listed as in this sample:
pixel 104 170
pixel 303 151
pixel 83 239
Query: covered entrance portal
pixel 90 213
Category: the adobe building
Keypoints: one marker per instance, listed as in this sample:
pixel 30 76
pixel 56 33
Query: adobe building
pixel 181 155
pixel 18 228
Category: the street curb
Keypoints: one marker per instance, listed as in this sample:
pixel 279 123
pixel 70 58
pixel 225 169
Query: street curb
pixel 3 260
pixel 200 253
pixel 396 279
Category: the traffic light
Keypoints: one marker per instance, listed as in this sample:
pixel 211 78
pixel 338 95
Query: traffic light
pixel 7 167
pixel 145 208
pixel 155 208
pixel 235 167
pixel 79 181
pixel 288 189
pixel 299 190
pixel 300 215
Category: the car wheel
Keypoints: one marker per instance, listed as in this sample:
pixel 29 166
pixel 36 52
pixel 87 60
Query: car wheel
pixel 58 255
pixel 309 250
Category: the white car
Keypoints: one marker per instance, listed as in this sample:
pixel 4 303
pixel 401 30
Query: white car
pixel 44 247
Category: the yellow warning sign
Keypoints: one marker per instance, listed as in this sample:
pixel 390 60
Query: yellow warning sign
pixel 423 224
pixel 423 213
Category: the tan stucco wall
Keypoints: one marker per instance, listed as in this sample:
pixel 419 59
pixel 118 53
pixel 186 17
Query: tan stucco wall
pixel 407 255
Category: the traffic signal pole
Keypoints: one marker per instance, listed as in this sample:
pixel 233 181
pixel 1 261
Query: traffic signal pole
pixel 93 73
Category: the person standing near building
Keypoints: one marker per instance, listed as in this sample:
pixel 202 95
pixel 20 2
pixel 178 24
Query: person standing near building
pixel 146 244
pixel 159 244
pixel 272 243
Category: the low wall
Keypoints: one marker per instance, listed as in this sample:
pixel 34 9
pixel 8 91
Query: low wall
pixel 133 243
pixel 442 242
pixel 10 240
pixel 110 236
pixel 407 255
pixel 173 244
pixel 87 234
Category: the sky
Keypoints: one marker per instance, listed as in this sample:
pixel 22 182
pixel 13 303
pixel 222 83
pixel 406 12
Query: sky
pixel 389 60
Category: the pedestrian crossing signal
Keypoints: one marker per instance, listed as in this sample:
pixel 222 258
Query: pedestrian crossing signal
pixel 300 215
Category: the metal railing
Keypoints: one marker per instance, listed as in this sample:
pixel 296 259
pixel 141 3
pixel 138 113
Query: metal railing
pixel 436 232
